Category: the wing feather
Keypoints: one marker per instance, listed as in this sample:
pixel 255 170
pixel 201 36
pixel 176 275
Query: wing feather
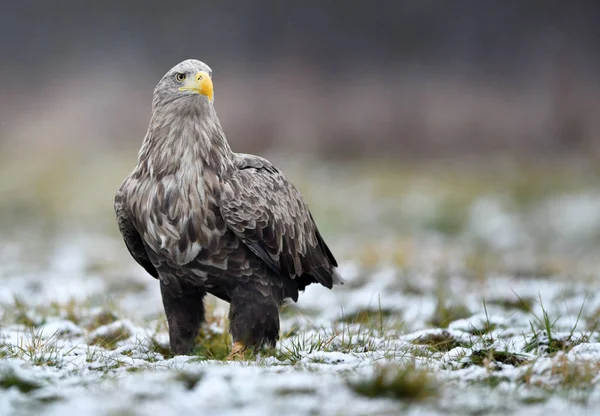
pixel 261 206
pixel 132 238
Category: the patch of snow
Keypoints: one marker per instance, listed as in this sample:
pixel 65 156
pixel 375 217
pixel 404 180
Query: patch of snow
pixel 59 328
pixel 310 370
pixel 478 322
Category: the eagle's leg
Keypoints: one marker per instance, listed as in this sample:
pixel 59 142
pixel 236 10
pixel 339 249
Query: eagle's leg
pixel 253 318
pixel 185 313
pixel 237 351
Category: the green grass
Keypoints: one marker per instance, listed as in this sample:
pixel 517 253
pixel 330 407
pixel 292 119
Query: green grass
pixel 543 333
pixel 520 304
pixel 103 317
pixel 484 357
pixel 367 316
pixel 189 379
pixel 447 311
pixel 36 348
pixel 297 391
pixel 212 346
pixel 575 375
pixel 110 339
pixel 9 379
pixel 407 383
pixel 439 342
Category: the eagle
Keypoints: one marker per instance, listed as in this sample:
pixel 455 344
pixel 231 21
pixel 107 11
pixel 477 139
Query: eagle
pixel 205 220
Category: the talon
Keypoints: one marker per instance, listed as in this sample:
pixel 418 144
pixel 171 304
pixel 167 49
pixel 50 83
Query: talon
pixel 237 351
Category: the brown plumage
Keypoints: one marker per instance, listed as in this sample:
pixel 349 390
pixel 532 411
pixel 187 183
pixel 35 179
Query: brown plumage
pixel 203 219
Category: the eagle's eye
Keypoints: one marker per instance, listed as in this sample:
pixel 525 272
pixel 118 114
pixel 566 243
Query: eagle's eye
pixel 179 77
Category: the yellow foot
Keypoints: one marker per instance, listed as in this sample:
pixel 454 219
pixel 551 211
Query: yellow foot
pixel 237 351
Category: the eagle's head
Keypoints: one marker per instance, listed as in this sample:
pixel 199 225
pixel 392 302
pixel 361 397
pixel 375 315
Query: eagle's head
pixel 191 79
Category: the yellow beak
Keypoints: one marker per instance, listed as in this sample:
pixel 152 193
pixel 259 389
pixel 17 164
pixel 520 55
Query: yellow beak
pixel 201 83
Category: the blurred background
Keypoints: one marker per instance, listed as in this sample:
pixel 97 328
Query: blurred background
pixel 334 78
pixel 411 127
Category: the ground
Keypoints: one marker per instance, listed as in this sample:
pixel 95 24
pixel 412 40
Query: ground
pixel 468 291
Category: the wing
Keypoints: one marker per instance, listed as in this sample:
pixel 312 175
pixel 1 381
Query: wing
pixel 132 238
pixel 268 214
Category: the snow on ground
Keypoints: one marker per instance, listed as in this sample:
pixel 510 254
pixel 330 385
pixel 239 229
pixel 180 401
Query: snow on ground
pixel 501 317
pixel 78 337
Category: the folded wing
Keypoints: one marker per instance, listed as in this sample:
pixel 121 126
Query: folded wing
pixel 268 214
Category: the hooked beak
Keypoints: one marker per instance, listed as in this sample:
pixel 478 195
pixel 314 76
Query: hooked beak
pixel 201 83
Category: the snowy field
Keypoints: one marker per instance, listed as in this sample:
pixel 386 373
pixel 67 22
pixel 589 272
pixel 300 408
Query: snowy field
pixel 463 296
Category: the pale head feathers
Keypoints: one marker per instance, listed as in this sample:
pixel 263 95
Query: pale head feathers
pixel 168 88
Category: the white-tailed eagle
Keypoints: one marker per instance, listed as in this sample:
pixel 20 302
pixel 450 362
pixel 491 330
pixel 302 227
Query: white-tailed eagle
pixel 203 219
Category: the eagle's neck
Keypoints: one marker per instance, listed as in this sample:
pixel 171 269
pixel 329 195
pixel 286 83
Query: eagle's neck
pixel 184 135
